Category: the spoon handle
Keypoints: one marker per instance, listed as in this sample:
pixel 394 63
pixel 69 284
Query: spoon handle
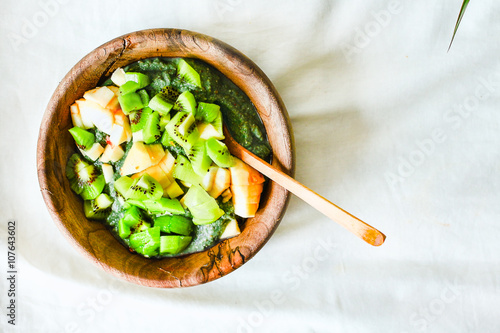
pixel 364 231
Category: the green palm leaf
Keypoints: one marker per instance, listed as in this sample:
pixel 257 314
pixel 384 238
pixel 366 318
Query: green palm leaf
pixel 460 15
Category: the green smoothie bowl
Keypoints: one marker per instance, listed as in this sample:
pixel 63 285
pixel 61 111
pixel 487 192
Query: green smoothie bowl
pixel 132 163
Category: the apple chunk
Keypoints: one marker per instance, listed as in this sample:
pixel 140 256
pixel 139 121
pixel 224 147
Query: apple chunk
pixel 232 230
pixel 112 154
pixel 92 112
pixel 107 171
pixel 221 182
pixel 118 76
pixel 137 159
pixel 156 153
pixel 117 136
pixel 84 116
pixel 93 152
pixel 167 163
pixel 208 131
pixel 76 118
pixel 100 95
pixel 157 173
pixel 122 120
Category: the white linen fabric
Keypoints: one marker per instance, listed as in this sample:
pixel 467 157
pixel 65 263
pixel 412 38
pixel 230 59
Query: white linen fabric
pixel 388 125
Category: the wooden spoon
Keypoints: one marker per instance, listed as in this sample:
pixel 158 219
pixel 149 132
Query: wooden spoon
pixel 364 231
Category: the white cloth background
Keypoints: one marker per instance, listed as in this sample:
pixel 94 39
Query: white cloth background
pixel 387 124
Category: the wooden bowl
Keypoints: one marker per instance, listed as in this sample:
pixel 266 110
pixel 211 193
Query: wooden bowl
pixel 92 238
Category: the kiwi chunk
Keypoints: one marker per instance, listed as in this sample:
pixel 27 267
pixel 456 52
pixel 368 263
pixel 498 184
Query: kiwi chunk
pixel 85 179
pixel 173 244
pixel 132 222
pixel 174 190
pixel 166 140
pixel 129 87
pixel 174 224
pixel 137 203
pixel 163 205
pixel 219 153
pixel 185 71
pixel 177 128
pixel 186 102
pixel 202 206
pixel 199 158
pixel 141 79
pixel 170 94
pixel 83 139
pixel 98 208
pixel 146 242
pixel 151 131
pixel 130 102
pixel 217 124
pixel 207 112
pixel 144 96
pixel 75 164
pixel 160 104
pixel 92 182
pixel 143 188
pixel 187 124
pixel 122 185
pixel 183 170
pixel 164 120
pixel 138 118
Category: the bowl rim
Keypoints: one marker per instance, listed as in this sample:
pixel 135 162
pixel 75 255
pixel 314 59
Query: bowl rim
pixel 224 257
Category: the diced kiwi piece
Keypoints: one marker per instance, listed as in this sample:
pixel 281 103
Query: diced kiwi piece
pixel 75 164
pixel 188 136
pixel 187 124
pixel 92 182
pixel 173 244
pixel 98 208
pixel 195 196
pixel 146 242
pixel 122 184
pixel 208 218
pixel 143 188
pixel 186 102
pixel 219 153
pixel 84 179
pixel 164 120
pixel 160 104
pixel 136 203
pixel 174 224
pixel 130 102
pixel 174 190
pixel 144 96
pixel 151 131
pixel 132 216
pixel 183 170
pixel 141 79
pixel 217 124
pixel 202 206
pixel 123 229
pixel 199 158
pixel 131 222
pixel 164 205
pixel 129 87
pixel 83 139
pixel 166 140
pixel 170 94
pixel 207 112
pixel 185 71
pixel 206 213
pixel 138 118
